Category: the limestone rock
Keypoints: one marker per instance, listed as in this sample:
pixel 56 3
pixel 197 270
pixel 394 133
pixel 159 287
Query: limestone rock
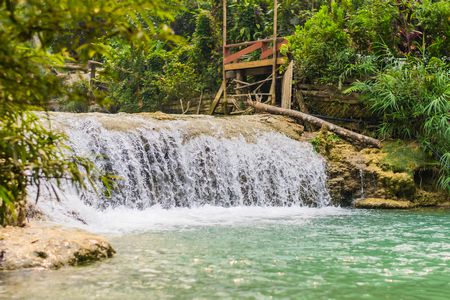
pixel 46 246
pixel 387 173
pixel 383 203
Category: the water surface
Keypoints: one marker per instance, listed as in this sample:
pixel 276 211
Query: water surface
pixel 259 253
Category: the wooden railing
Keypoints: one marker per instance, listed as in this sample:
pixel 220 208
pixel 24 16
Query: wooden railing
pixel 234 53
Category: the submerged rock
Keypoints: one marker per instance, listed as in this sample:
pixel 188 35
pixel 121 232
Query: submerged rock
pixel 45 246
pixel 383 203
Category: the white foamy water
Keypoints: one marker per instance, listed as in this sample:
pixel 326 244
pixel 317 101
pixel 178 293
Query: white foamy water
pixel 178 173
pixel 72 212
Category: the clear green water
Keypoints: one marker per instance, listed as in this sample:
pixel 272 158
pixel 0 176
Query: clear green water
pixel 309 254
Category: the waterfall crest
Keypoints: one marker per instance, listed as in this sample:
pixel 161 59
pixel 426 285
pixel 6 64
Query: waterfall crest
pixel 192 163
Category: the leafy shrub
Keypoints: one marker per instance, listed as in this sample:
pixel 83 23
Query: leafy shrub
pixel 412 99
pixel 314 45
pixel 434 20
pixel 373 24
pixel 29 154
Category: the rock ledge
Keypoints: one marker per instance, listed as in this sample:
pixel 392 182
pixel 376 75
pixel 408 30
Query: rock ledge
pixel 46 246
pixel 383 203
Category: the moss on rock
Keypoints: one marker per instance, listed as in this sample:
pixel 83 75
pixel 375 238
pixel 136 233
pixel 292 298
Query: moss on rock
pixel 388 173
pixel 371 203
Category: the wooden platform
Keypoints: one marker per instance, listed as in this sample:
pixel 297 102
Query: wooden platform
pixel 251 70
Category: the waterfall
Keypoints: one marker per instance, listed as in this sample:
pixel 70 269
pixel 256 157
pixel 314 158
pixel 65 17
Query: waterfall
pixel 194 162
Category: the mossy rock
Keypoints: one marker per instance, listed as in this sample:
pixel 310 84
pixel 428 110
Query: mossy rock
pixel 379 203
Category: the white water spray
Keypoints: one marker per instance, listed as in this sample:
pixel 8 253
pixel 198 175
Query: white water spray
pixel 173 163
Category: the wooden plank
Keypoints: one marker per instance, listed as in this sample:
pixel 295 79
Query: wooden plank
pixel 251 72
pixel 245 95
pixel 254 64
pixel 269 51
pixel 252 42
pixel 287 87
pixel 217 98
pixel 254 83
pixel 239 54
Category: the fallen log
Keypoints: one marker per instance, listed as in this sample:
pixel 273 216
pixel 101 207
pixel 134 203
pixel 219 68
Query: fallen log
pixel 344 133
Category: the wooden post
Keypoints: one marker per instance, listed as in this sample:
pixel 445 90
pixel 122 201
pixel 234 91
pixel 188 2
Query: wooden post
pixel 225 52
pixel 273 89
pixel 239 79
pixel 200 103
pixel 287 87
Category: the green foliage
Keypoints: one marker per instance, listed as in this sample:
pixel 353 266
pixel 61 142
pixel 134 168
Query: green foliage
pixel 205 53
pixel 312 43
pixel 324 142
pixel 249 20
pixel 144 80
pixel 403 156
pixel 179 81
pixel 337 36
pixel 434 19
pixel 34 44
pixel 412 98
pixel 372 24
pixel 29 154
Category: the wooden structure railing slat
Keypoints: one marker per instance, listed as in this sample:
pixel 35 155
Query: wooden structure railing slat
pixel 266 52
pixel 269 51
pixel 235 56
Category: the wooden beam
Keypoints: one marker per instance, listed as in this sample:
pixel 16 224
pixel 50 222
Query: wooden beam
pixel 287 87
pixel 252 42
pixel 217 98
pixel 341 131
pixel 251 72
pixel 254 83
pixel 245 95
pixel 239 54
pixel 254 64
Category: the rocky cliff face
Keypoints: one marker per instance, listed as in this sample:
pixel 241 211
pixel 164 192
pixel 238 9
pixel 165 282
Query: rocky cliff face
pixel 398 171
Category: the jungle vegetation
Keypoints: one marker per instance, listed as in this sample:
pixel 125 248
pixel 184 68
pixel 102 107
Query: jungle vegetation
pixel 394 52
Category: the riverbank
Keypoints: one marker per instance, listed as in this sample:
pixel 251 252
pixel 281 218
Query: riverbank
pixel 41 245
pixel 399 175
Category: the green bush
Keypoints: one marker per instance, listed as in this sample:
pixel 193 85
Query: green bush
pixel 30 154
pixel 434 20
pixel 314 45
pixel 373 24
pixel 412 99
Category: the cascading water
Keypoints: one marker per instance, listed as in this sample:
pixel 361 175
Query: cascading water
pixel 193 163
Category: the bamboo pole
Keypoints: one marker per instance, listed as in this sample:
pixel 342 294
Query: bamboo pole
pixel 341 131
pixel 273 89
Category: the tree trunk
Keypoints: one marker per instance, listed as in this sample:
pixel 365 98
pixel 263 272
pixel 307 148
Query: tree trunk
pixel 344 133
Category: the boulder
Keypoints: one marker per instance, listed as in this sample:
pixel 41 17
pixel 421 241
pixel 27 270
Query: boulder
pixel 47 246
